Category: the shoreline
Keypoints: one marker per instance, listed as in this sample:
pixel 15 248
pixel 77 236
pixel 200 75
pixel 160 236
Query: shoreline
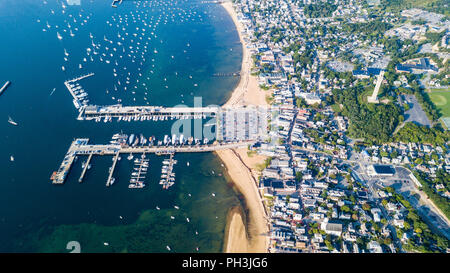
pixel 247 91
pixel 235 229
pixel 245 232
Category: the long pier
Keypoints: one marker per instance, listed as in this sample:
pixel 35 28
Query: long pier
pixel 85 168
pixel 140 113
pixel 81 146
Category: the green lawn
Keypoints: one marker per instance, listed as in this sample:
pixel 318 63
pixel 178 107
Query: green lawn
pixel 442 101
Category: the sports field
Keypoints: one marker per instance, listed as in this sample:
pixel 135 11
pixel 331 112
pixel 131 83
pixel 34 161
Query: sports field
pixel 442 101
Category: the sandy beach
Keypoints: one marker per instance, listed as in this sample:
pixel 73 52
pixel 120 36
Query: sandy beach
pixel 244 235
pixel 245 232
pixel 247 92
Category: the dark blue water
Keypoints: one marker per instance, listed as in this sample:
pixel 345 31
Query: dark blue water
pixel 192 40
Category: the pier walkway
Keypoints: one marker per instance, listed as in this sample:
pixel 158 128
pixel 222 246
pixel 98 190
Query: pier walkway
pixel 91 112
pixel 81 147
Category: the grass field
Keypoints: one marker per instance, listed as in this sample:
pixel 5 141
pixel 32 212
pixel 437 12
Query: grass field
pixel 442 101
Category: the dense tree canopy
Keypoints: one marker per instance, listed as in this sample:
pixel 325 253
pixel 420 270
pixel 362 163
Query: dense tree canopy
pixel 370 121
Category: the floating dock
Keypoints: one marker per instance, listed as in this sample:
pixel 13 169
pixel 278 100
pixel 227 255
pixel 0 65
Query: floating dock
pixel 86 167
pixel 71 85
pixel 167 174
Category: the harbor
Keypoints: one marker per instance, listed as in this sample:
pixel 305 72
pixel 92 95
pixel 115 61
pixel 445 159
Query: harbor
pixel 44 111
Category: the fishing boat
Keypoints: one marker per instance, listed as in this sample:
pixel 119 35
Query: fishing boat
pixel 12 121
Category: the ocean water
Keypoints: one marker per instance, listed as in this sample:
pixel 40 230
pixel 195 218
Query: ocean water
pixel 192 40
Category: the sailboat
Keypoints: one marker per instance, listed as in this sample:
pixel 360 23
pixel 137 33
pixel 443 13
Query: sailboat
pixel 12 121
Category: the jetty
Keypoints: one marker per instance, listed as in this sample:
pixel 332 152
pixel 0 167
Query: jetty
pixel 4 87
pixel 81 146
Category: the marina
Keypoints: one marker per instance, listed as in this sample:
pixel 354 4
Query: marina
pixel 77 92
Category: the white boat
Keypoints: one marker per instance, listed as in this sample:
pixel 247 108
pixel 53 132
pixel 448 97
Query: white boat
pixel 11 158
pixel 12 121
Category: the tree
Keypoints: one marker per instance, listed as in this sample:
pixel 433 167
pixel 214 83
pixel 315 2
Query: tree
pixel 366 206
